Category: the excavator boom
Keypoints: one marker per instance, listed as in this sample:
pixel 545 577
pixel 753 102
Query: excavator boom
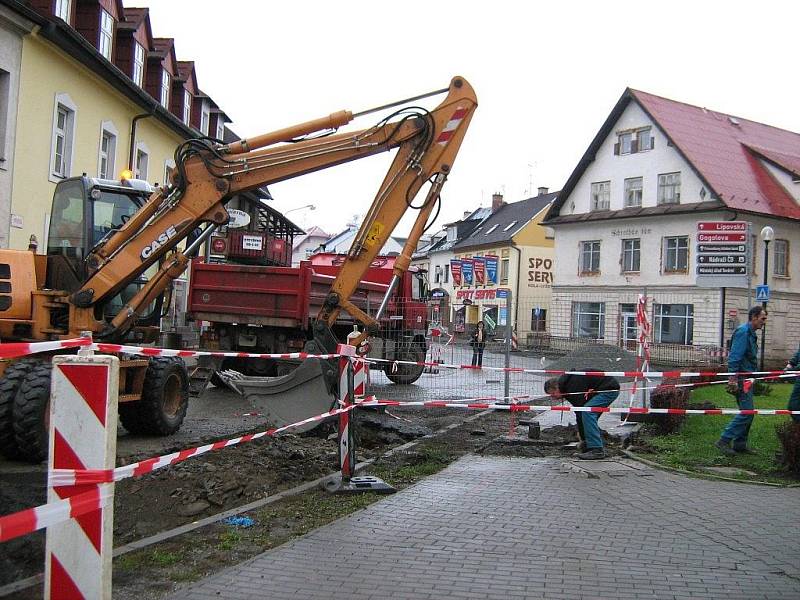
pixel 208 174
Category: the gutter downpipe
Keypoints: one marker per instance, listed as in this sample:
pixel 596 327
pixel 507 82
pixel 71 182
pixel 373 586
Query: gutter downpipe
pixel 516 297
pixel 132 148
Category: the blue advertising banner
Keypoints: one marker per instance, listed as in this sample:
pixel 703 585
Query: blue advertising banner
pixel 491 268
pixel 466 270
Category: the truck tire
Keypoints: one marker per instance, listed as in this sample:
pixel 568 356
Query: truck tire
pixel 31 414
pixel 407 374
pixel 165 398
pixel 9 385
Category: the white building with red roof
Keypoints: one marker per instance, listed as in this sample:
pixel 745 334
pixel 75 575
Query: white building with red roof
pixel 627 220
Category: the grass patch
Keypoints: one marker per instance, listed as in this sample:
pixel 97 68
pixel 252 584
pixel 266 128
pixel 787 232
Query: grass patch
pixel 692 448
pixel 147 558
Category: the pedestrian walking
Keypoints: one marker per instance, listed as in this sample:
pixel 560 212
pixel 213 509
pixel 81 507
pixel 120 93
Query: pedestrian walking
pixel 478 343
pixel 742 357
pixel 794 398
pixel 585 390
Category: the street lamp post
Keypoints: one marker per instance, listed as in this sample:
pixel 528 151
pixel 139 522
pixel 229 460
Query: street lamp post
pixel 767 235
pixel 310 206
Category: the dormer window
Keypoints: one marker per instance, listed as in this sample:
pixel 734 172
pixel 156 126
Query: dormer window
pixel 106 34
pixel 204 119
pixel 452 234
pixel 220 128
pixel 63 9
pixel 138 64
pixel 187 106
pixel 165 83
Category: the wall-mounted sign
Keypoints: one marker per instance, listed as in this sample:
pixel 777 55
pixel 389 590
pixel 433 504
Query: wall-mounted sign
pixel 491 268
pixel 479 266
pixel 466 270
pixel 252 242
pixel 238 218
pixel 723 253
pixel 455 271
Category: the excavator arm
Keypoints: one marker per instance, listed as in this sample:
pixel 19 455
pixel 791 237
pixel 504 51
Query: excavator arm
pixel 208 174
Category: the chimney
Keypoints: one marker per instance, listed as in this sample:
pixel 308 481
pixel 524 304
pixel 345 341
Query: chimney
pixel 543 191
pixel 497 201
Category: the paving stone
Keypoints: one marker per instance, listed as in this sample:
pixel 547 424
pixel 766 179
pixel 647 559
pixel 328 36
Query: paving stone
pixel 489 527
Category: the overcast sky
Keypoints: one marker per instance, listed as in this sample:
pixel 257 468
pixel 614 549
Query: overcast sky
pixel 546 75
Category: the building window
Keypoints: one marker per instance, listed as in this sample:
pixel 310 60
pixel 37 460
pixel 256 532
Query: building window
pixel 169 168
pixel 538 319
pixel 165 83
pixel 491 229
pixel 220 128
pixel 644 140
pixel 509 226
pixel 589 320
pixel 625 142
pixel 187 106
pixel 5 79
pixel 204 119
pixel 601 195
pixel 63 139
pixel 633 192
pixel 676 254
pixel 590 257
pixel 106 165
pixel 446 273
pixel 781 258
pixel 674 324
pixel 142 159
pixel 63 9
pixel 106 34
pixel 631 255
pixel 504 271
pixel 437 274
pixel 669 188
pixel 138 64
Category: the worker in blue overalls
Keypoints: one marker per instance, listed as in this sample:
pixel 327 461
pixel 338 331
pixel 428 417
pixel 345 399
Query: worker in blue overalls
pixel 742 358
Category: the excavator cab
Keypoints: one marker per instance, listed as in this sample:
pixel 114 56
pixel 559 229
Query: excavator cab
pixel 86 211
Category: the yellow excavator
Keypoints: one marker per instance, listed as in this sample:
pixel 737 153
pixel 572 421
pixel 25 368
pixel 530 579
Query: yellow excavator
pixel 113 251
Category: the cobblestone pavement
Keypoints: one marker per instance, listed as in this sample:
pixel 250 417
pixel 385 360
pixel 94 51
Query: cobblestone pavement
pixel 490 527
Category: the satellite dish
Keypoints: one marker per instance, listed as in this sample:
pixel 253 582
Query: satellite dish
pixel 238 218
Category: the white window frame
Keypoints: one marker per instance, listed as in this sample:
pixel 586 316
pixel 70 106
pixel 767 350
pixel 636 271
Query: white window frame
pixel 187 107
pixel 623 139
pixel 590 309
pixel 505 265
pixel 634 192
pixel 669 188
pixel 141 150
pixel 67 134
pixel 600 195
pixel 107 128
pixel 63 9
pixel 590 249
pixel 166 82
pixel 644 133
pixel 106 34
pixel 664 319
pixel 446 273
pixel 220 128
pixel 138 64
pixel 780 261
pixel 205 119
pixel 631 255
pixel 169 167
pixel 676 247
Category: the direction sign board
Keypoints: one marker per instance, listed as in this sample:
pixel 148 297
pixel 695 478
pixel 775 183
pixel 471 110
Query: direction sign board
pixel 722 226
pixel 723 253
pixel 721 270
pixel 502 293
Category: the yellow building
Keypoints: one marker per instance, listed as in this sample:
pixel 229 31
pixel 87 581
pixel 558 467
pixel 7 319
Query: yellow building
pixel 509 251
pixel 97 94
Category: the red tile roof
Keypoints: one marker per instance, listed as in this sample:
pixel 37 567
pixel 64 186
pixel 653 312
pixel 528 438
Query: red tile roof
pixel 723 150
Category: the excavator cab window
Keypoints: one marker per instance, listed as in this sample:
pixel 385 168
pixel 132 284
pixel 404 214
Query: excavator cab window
pixel 67 235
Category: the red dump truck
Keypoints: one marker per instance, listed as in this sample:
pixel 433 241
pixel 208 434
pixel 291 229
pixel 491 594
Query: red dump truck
pixel 271 309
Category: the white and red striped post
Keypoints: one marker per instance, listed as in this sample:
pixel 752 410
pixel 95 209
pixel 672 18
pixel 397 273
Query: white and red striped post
pixel 347 450
pixel 83 435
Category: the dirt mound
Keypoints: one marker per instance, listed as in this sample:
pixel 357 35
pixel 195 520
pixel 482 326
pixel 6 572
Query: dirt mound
pixel 595 357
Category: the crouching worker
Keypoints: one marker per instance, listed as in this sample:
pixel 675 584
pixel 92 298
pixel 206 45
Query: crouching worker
pixel 585 390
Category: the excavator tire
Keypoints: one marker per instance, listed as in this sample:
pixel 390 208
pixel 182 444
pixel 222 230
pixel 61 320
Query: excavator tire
pixel 9 384
pixel 31 414
pixel 165 398
pixel 407 374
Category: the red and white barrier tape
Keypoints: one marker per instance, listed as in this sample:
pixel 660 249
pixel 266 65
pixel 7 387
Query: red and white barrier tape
pixel 17 349
pixel 33 519
pixel 570 408
pixel 117 348
pixel 627 374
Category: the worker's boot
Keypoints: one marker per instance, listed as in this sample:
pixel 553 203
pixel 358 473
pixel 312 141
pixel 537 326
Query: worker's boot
pixel 592 454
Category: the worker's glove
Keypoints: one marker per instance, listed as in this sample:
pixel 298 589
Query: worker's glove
pixel 732 388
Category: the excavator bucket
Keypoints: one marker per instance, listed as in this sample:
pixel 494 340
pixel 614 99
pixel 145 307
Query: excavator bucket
pixel 287 399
